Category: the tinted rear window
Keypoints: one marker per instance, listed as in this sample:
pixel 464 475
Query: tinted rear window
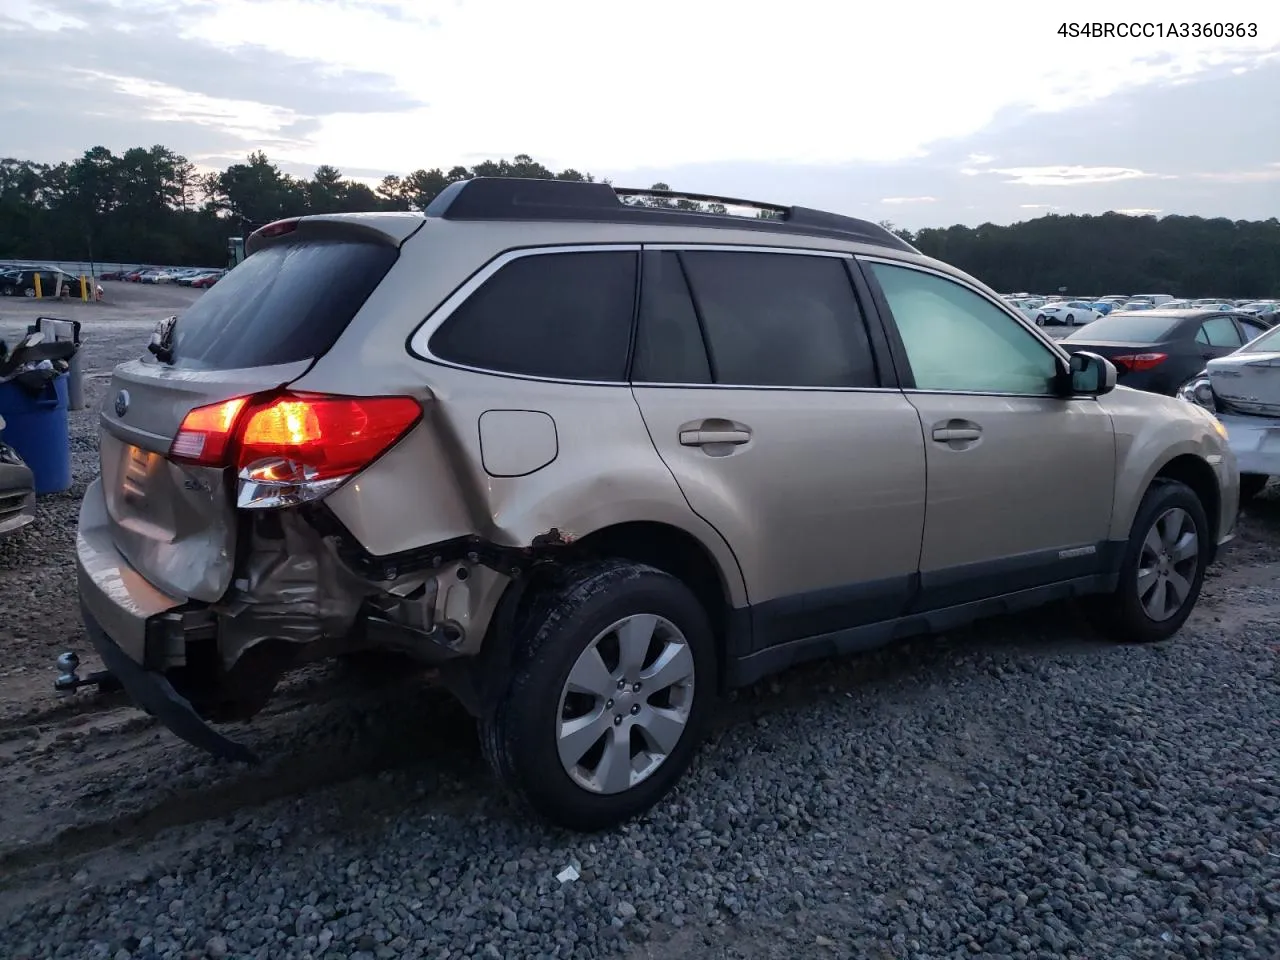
pixel 565 316
pixel 1137 328
pixel 283 304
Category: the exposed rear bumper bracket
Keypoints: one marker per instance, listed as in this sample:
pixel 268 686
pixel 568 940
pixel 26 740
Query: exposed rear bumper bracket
pixel 155 694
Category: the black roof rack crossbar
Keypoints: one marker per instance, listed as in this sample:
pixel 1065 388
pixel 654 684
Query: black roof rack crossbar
pixel 531 200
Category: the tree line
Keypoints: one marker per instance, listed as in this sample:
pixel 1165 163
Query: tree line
pixel 151 205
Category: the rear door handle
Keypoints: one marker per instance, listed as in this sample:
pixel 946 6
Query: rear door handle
pixel 698 438
pixel 957 430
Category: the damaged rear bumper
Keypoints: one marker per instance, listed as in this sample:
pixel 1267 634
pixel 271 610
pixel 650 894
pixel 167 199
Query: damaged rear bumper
pixel 154 693
pixel 297 596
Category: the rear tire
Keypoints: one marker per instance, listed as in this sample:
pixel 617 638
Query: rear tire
pixel 1252 484
pixel 1161 564
pixel 530 741
pixel 1040 320
pixel 1071 319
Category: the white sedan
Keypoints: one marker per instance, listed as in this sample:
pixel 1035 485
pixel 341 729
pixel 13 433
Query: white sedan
pixel 1065 313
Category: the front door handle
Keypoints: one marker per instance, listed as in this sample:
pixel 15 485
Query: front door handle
pixel 699 438
pixel 956 430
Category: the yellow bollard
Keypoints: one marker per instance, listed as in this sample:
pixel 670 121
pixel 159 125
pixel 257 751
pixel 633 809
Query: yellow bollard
pixel 84 289
pixel 39 292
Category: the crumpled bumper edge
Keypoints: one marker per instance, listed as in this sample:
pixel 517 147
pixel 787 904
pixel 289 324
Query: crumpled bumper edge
pixel 155 694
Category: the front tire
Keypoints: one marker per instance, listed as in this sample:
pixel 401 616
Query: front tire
pixel 1162 570
pixel 613 684
pixel 1071 319
pixel 1040 320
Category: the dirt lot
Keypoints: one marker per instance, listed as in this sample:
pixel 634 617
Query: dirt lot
pixel 1019 789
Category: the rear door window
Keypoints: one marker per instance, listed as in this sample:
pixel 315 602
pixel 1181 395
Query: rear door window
pixel 1220 332
pixel 669 344
pixel 779 319
pixel 283 304
pixel 563 316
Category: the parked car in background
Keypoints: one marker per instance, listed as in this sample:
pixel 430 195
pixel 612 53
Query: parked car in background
pixel 200 279
pixel 495 438
pixel 1226 306
pixel 22 283
pixel 1065 313
pixel 17 490
pixel 1134 305
pixel 1155 299
pixel 1103 307
pixel 1179 305
pixel 1159 350
pixel 1243 390
pixel 1260 308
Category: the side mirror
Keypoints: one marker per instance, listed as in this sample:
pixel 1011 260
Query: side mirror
pixel 1091 375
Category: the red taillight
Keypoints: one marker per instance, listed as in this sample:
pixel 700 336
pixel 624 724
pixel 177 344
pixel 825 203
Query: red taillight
pixel 278 228
pixel 327 436
pixel 206 433
pixel 1137 362
pixel 293 447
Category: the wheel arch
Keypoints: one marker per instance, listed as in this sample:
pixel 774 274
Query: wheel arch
pixel 680 554
pixel 1188 468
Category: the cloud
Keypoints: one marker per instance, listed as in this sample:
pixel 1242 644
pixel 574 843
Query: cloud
pixel 1065 176
pixel 250 120
pixel 385 86
pixel 1269 173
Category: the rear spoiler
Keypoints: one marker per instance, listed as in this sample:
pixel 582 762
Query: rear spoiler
pixel 390 229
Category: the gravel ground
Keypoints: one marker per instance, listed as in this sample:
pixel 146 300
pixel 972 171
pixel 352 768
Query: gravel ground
pixel 1019 789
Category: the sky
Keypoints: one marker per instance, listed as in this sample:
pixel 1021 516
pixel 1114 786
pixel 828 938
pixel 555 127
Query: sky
pixel 925 116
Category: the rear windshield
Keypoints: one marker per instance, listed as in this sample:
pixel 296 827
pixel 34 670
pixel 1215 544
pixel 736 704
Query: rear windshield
pixel 285 303
pixel 1118 328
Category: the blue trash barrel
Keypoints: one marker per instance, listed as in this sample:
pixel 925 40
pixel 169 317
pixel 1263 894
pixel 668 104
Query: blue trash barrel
pixel 36 426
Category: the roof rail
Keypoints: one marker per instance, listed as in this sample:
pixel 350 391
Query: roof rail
pixel 523 199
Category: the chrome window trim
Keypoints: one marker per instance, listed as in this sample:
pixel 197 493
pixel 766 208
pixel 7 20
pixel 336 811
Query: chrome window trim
pixel 693 247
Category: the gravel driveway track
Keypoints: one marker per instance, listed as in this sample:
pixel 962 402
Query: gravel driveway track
pixel 1018 789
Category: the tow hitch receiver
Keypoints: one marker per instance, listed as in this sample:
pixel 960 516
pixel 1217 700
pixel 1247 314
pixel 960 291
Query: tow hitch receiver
pixel 69 681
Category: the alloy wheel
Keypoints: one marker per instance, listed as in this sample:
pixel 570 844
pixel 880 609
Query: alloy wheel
pixel 626 704
pixel 1167 564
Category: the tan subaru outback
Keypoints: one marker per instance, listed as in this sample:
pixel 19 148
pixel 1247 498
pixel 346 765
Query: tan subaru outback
pixel 599 461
